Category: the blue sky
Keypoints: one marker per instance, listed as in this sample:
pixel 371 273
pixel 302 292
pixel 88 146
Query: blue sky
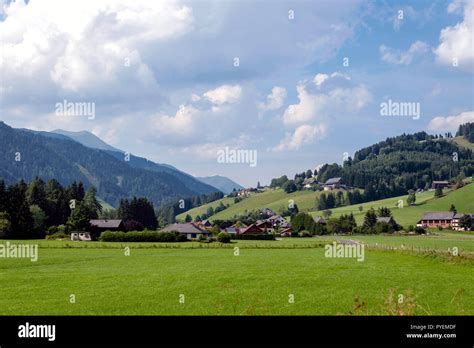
pixel 165 84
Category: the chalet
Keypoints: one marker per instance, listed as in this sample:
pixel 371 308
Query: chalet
pixel 251 229
pixel 205 224
pixel 437 219
pixel 287 232
pixel 440 184
pixel 456 219
pixel 389 220
pixel 264 225
pixel 310 182
pixel 267 212
pixel 276 220
pixel 332 184
pixel 81 236
pixel 190 230
pixel 100 225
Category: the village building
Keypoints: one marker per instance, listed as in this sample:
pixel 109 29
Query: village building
pixel 251 229
pixel 310 182
pixel 264 225
pixel 98 226
pixel 437 219
pixel 287 232
pixel 456 219
pixel 190 230
pixel 389 220
pixel 440 184
pixel 333 183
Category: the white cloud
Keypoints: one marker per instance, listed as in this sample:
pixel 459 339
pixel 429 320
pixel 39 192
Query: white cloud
pixel 319 79
pixel 320 105
pixel 85 45
pixel 450 123
pixel 274 100
pixel 225 94
pixel 456 42
pixel 303 135
pixel 392 56
pixel 182 125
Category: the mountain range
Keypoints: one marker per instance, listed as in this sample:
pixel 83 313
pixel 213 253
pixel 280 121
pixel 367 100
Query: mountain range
pixel 222 183
pixel 81 156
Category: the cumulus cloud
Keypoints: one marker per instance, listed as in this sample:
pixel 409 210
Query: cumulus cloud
pixel 274 100
pixel 88 45
pixel 392 56
pixel 225 94
pixel 450 123
pixel 323 104
pixel 303 135
pixel 456 42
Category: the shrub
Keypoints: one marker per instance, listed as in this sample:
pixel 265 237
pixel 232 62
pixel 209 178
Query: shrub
pixel 223 237
pixel 305 234
pixel 383 227
pixel 145 236
pixel 411 228
pixel 52 230
pixel 57 235
pixel 420 230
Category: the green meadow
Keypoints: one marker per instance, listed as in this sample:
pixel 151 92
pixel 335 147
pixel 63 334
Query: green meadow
pixel 261 280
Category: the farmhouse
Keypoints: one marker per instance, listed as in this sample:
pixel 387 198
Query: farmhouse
pixel 276 220
pixel 310 182
pixel 264 225
pixel 286 232
pixel 332 184
pixel 439 184
pixel 455 222
pixel 437 219
pixel 101 225
pixel 389 220
pixel 251 229
pixel 191 231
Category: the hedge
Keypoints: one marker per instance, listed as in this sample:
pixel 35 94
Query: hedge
pixel 145 236
pixel 253 236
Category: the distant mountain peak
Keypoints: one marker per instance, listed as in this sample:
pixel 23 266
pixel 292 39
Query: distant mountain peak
pixel 221 183
pixel 87 139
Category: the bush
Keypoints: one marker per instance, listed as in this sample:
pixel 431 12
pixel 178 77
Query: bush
pixel 420 230
pixel 145 236
pixel 52 230
pixel 223 237
pixel 57 235
pixel 411 228
pixel 254 236
pixel 383 227
pixel 305 234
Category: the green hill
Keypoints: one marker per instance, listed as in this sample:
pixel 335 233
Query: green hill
pixel 463 200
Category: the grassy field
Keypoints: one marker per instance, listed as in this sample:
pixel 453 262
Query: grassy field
pixel 461 141
pixel 462 198
pixel 257 282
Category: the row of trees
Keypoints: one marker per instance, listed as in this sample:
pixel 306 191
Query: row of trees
pixel 27 210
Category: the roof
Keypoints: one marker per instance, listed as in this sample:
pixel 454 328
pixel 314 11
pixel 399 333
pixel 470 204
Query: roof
pixel 183 228
pixel 232 230
pixel 251 228
pixel 440 182
pixel 460 215
pixel 442 215
pixel 106 223
pixel 276 217
pixel 386 219
pixel 333 181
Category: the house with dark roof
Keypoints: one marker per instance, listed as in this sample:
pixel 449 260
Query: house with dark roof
pixel 190 230
pixel 436 219
pixel 439 184
pixel 389 220
pixel 332 183
pixel 251 229
pixel 264 225
pixel 100 225
pixel 455 222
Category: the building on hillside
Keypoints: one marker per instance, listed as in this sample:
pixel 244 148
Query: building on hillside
pixel 437 219
pixel 232 230
pixel 101 225
pixel 251 229
pixel 204 224
pixel 440 184
pixel 190 230
pixel 456 219
pixel 267 212
pixel 389 220
pixel 310 182
pixel 265 225
pixel 287 232
pixel 333 183
pixel 81 236
pixel 276 220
